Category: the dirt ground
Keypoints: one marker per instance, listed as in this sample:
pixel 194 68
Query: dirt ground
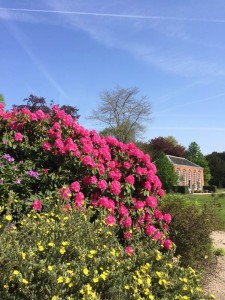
pixel 215 282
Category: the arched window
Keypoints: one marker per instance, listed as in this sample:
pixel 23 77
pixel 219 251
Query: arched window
pixel 184 177
pixel 195 180
pixel 199 180
pixel 189 179
pixel 178 176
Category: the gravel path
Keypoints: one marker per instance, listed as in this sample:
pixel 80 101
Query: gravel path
pixel 215 283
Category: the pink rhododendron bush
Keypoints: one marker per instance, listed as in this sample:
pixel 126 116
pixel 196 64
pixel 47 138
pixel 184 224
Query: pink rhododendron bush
pixel 68 199
pixel 53 152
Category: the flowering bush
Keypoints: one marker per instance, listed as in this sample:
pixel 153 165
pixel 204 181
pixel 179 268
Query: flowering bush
pixel 51 153
pixel 61 255
pixel 80 213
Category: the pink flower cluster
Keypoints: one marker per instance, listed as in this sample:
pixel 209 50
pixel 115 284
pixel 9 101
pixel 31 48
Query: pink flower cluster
pixel 116 178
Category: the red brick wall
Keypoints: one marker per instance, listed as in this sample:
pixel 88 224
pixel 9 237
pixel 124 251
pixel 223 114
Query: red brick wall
pixel 195 182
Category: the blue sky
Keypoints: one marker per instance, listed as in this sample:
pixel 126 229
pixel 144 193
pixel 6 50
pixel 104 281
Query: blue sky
pixel 71 50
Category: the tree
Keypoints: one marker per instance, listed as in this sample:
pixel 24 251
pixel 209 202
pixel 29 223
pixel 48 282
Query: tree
pixel 195 155
pixel 165 145
pixel 217 167
pixel 34 103
pixel 123 113
pixel 166 172
pixel 2 100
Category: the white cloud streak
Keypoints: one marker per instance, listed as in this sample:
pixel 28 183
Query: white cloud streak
pixel 124 16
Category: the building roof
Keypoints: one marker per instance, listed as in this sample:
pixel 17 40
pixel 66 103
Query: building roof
pixel 180 161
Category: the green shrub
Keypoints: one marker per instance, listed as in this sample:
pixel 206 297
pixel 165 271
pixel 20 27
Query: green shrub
pixel 190 229
pixel 210 188
pixel 181 189
pixel 62 255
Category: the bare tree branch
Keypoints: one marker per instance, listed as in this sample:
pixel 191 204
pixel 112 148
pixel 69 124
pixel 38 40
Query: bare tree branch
pixel 122 111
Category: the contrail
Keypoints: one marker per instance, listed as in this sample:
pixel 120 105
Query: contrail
pixel 81 13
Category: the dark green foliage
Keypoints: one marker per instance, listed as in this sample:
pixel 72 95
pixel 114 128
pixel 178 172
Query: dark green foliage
pixel 165 172
pixel 190 229
pixel 181 189
pixel 217 166
pixel 210 188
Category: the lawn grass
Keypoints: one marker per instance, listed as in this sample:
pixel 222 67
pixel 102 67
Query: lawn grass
pixel 216 201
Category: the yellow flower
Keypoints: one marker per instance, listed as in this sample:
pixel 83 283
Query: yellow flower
pixel 40 248
pixel 159 274
pixel 68 280
pixel 54 298
pixel 16 272
pixel 158 255
pixel 60 279
pixel 50 268
pixel 162 281
pixel 51 244
pixel 95 279
pixel 5 286
pixel 8 218
pixel 62 250
pixel 71 284
pixel 24 281
pixel 126 287
pixel 23 254
pixel 64 243
pixel 85 271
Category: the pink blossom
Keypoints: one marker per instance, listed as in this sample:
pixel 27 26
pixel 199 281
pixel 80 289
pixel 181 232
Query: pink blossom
pixel 79 199
pixel 167 218
pixel 88 161
pixel 127 165
pixel 93 180
pixel 161 193
pixel 102 184
pixel 18 137
pixel 65 193
pixel 167 244
pixel 149 230
pixel 111 205
pixel 127 235
pixel 40 114
pixel 104 201
pixel 130 179
pixel 111 164
pixel 139 205
pixel 46 146
pixel 158 215
pixel 115 187
pixel 158 235
pixel 37 205
pixel 127 222
pixel 110 220
pixel 129 250
pixel 115 174
pixel 75 186
pixel 147 186
pixel 123 211
pixel 151 202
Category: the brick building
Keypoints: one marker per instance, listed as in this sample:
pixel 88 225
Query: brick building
pixel 188 173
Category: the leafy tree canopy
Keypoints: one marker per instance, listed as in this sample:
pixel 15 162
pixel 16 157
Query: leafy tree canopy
pixel 167 145
pixel 165 171
pixel 217 167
